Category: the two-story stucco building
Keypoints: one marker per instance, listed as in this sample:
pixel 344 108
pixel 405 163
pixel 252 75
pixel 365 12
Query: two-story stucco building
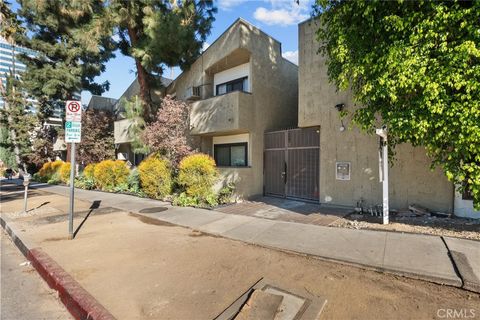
pixel 349 164
pixel 238 88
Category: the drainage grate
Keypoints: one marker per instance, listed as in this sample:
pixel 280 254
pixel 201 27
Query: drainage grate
pixel 153 210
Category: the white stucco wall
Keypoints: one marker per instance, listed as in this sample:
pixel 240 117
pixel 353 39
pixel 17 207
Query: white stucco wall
pixel 237 72
pixel 464 208
pixel 236 138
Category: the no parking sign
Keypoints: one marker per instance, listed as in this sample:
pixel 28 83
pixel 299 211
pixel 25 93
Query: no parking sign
pixel 73 121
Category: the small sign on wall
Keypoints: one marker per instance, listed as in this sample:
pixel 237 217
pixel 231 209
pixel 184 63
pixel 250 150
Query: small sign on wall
pixel 342 170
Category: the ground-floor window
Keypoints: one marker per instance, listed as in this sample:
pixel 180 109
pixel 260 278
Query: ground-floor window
pixel 231 154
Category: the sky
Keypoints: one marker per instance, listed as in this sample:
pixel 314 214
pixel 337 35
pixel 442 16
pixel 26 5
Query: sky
pixel 278 18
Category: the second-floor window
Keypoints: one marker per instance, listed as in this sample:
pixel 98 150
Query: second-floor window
pixel 240 84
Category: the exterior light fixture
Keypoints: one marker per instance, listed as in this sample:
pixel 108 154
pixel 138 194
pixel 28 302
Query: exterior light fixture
pixel 340 108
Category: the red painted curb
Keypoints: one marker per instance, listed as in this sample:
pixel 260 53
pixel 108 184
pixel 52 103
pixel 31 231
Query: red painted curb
pixel 81 304
pixel 77 300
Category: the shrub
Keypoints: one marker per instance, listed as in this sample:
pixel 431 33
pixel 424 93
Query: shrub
pixel 84 183
pixel 88 172
pixel 155 177
pixel 48 170
pixel 109 174
pixel 64 172
pixel 183 200
pixel 197 175
pixel 133 182
pixel 225 195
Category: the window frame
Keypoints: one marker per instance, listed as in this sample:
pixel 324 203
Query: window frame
pixel 231 82
pixel 230 145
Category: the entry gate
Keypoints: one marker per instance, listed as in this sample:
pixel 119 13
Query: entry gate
pixel 292 163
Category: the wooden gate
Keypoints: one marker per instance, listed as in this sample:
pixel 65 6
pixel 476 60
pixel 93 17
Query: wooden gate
pixel 292 163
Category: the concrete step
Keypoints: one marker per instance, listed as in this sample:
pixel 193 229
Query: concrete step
pixel 261 306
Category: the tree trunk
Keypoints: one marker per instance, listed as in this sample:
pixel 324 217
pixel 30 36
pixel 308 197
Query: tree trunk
pixel 143 80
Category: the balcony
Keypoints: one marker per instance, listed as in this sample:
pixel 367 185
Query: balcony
pixel 228 113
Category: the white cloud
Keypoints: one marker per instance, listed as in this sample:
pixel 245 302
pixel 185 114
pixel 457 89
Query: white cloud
pixel 283 17
pixel 291 56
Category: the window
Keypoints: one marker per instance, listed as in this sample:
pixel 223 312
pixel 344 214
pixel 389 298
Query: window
pixel 231 155
pixel 240 84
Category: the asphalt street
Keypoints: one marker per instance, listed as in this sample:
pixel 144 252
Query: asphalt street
pixel 24 294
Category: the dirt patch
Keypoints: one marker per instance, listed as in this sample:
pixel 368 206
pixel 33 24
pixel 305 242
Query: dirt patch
pixel 449 227
pixel 151 221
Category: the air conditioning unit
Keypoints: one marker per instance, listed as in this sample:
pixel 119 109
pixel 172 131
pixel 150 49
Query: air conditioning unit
pixel 193 93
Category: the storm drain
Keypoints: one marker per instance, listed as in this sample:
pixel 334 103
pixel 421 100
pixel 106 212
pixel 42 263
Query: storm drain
pixel 265 300
pixel 153 210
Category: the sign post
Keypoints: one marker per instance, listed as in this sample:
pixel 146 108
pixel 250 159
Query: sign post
pixel 73 134
pixel 383 166
pixel 26 182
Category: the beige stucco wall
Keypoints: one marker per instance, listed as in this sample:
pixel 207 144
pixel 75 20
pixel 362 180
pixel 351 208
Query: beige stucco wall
pixel 411 180
pixel 273 82
pixel 120 131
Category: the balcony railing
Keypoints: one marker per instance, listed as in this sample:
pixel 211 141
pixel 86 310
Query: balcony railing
pixel 231 112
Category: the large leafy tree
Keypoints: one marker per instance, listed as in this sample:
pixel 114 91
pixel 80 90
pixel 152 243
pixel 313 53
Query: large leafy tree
pixel 73 42
pixel 416 66
pixel 97 137
pixel 159 33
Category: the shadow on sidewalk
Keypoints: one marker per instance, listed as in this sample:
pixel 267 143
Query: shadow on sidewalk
pixel 95 205
pixel 41 205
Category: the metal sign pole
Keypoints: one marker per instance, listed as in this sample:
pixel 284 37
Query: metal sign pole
pixel 385 181
pixel 383 158
pixel 25 199
pixel 72 189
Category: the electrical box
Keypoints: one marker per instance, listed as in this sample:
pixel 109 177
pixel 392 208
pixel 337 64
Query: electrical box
pixel 342 170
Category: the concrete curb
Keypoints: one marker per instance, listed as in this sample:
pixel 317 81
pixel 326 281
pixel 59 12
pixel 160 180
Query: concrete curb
pixel 457 283
pixel 81 304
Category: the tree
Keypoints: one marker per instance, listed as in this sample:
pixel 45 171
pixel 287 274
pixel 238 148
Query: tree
pixel 97 137
pixel 73 42
pixel 9 24
pixel 42 145
pixel 134 112
pixel 158 33
pixel 168 134
pixel 15 121
pixel 18 122
pixel 416 66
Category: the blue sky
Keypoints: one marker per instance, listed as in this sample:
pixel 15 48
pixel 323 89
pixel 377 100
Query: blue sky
pixel 278 18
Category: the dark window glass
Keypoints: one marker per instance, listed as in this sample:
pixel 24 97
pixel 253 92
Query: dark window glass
pixel 234 85
pixel 231 155
pixel 222 155
pixel 238 156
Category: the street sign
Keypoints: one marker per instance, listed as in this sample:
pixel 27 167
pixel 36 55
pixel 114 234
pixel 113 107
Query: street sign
pixel 73 111
pixel 73 131
pixel 73 134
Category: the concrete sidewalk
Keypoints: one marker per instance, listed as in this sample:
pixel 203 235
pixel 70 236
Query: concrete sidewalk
pixel 448 261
